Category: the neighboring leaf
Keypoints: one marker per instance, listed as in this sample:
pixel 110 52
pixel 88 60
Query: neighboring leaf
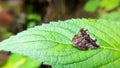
pixel 19 61
pixel 34 17
pixel 31 24
pixel 114 16
pixel 51 44
pixel 91 5
pixel 109 4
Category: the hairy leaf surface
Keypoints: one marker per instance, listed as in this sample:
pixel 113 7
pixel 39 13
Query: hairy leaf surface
pixel 51 44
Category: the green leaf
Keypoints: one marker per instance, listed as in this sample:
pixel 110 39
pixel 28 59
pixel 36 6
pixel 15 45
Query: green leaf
pixel 91 5
pixel 35 17
pixel 113 16
pixel 31 24
pixel 109 4
pixel 51 44
pixel 19 61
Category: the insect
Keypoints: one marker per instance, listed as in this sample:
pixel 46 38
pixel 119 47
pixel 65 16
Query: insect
pixel 83 41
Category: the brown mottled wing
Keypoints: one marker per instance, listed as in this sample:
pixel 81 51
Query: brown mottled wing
pixel 83 41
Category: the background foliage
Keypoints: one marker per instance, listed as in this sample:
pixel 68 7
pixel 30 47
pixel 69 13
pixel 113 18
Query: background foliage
pixel 19 15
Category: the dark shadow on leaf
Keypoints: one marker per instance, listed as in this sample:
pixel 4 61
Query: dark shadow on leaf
pixel 45 66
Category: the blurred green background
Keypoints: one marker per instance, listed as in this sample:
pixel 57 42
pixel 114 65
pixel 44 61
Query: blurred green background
pixel 18 15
